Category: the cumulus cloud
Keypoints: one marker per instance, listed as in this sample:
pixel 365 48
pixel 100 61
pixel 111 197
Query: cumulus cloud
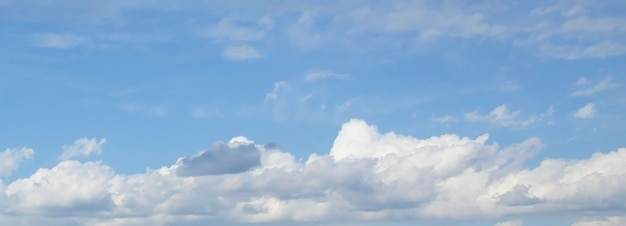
pixel 502 116
pixel 244 52
pixel 82 147
pixel 586 112
pixel 368 175
pixel 11 158
pixel 237 156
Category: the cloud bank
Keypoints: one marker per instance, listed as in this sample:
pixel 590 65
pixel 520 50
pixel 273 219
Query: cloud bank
pixel 367 176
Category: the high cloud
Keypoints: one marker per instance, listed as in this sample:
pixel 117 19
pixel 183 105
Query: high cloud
pixel 602 85
pixel 502 116
pixel 244 52
pixel 366 176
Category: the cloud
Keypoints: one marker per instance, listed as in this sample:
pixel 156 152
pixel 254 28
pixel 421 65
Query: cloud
pixel 68 189
pixel 444 119
pixel 602 85
pixel 510 223
pixel 274 94
pixel 317 75
pixel 11 158
pixel 227 29
pixel 239 155
pixel 586 112
pixel 244 52
pixel 503 117
pixel 58 41
pixel 82 147
pixel 611 221
pixel 366 176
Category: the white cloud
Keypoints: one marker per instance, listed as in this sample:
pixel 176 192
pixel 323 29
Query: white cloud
pixel 227 29
pixel 588 111
pixel 444 119
pixel 510 223
pixel 274 94
pixel 367 175
pixel 11 158
pixel 503 117
pixel 82 147
pixel 244 52
pixel 581 81
pixel 58 41
pixel 317 75
pixel 602 85
pixel 610 221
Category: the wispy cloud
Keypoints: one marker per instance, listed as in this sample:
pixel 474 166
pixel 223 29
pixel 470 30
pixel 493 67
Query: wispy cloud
pixel 602 85
pixel 82 148
pixel 502 116
pixel 318 75
pixel 229 30
pixel 244 52
pixel 444 119
pixel 58 41
pixel 274 94
pixel 586 112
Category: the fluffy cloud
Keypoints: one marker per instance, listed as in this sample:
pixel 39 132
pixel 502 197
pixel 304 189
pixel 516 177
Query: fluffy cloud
pixel 237 156
pixel 10 159
pixel 82 147
pixel 588 111
pixel 366 176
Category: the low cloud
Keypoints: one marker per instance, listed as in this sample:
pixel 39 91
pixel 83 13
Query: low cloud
pixel 239 155
pixel 586 112
pixel 82 148
pixel 11 158
pixel 367 175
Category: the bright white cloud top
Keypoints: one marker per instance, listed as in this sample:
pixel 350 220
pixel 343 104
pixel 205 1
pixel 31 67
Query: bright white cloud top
pixel 487 112
pixel 366 176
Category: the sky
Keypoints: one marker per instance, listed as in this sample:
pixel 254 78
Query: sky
pixel 344 112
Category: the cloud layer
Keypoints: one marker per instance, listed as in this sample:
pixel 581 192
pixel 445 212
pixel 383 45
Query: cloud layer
pixel 366 176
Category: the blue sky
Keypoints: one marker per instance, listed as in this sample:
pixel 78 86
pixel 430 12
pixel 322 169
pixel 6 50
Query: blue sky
pixel 374 110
